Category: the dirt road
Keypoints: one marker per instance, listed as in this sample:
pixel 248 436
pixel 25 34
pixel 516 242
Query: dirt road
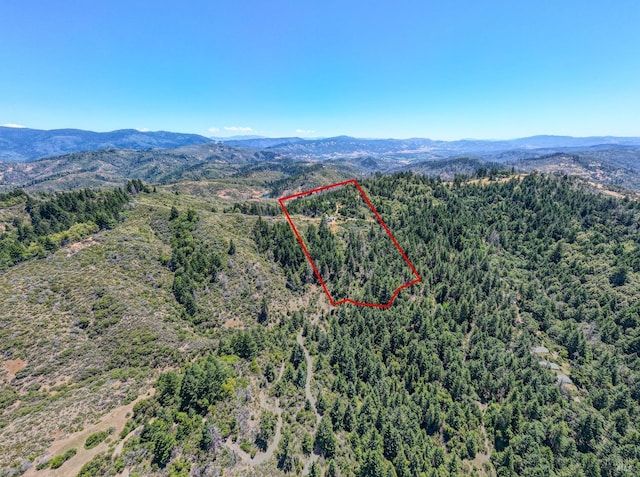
pixel 312 400
pixel 116 418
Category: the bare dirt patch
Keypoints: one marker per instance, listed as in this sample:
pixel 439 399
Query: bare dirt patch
pixel 233 323
pixel 12 366
pixel 244 194
pixel 77 246
pixel 226 194
pixel 603 190
pixel 486 181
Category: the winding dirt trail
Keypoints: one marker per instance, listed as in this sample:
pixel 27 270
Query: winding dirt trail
pixel 312 400
pixel 120 446
pixel 262 457
pixel 115 418
pixel 307 384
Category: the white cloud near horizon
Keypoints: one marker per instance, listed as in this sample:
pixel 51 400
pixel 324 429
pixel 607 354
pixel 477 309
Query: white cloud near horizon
pixel 212 129
pixel 238 129
pixel 12 125
pixel 304 131
pixel 144 129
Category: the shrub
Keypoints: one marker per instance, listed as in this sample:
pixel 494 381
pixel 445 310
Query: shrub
pixel 97 437
pixel 58 460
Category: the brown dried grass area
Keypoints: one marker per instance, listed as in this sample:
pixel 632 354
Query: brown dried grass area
pixel 74 248
pixel 62 443
pixel 234 194
pixel 65 377
pixel 12 366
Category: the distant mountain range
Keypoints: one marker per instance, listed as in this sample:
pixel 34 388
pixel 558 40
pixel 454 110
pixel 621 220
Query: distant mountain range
pixel 261 142
pixel 24 144
pixel 617 166
pixel 109 159
pixel 112 167
pixel 424 149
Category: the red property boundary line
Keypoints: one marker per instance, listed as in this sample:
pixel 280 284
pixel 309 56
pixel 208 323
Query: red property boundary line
pixel 418 278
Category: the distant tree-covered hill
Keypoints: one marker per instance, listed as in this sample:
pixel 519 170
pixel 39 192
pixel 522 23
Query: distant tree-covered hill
pixel 24 144
pixel 423 149
pixel 610 165
pixel 111 167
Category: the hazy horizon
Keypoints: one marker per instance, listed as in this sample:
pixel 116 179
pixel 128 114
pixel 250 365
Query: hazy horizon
pixel 323 69
pixel 256 136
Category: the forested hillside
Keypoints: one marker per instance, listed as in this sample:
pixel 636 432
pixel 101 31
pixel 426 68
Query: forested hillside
pixel 507 267
pixel 55 220
pixel 518 354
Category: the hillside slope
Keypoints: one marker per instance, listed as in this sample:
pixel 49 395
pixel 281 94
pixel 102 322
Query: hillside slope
pixel 517 354
pixel 87 328
pixel 112 167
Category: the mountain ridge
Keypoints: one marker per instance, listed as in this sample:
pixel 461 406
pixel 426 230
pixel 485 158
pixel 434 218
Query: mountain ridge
pixel 347 146
pixel 25 144
pixel 618 167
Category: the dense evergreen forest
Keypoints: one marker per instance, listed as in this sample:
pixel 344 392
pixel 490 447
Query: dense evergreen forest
pixel 353 253
pixel 194 264
pixel 56 219
pixel 517 355
pixel 507 266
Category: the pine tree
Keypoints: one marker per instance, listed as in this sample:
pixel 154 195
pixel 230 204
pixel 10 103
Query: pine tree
pixel 286 452
pixel 315 470
pixel 263 315
pixel 332 469
pixel 373 465
pixel 325 438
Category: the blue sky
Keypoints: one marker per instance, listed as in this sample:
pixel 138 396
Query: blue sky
pixel 445 70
